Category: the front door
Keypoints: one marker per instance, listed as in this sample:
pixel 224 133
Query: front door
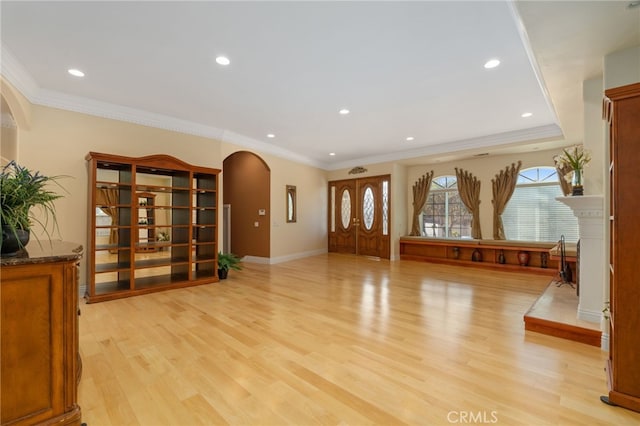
pixel 359 216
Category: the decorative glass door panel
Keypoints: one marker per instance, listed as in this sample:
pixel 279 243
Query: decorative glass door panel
pixel 345 208
pixel 342 229
pixel 370 239
pixel 368 208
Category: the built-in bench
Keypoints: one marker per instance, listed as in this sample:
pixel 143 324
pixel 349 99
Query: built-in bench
pixel 525 256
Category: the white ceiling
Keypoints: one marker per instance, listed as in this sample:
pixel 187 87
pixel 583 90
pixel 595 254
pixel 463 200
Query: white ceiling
pixel 402 68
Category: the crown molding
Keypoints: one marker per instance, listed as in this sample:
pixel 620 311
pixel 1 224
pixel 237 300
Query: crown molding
pixel 82 105
pixel 17 75
pixel 531 134
pixel 526 44
pixel 247 142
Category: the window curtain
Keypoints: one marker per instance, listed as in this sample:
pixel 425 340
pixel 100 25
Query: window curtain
pixel 469 190
pixel 564 176
pixel 503 186
pixel 106 200
pixel 420 193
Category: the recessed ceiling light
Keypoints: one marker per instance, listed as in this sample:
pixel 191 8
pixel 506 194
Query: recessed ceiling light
pixel 492 63
pixel 526 115
pixel 271 135
pixel 76 73
pixel 344 111
pixel 223 60
pixel 332 154
pixel 410 138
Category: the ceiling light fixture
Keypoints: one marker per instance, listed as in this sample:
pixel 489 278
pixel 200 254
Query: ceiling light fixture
pixel 332 154
pixel 271 135
pixel 633 4
pixel 75 72
pixel 222 60
pixel 344 111
pixel 526 115
pixel 492 63
pixel 410 138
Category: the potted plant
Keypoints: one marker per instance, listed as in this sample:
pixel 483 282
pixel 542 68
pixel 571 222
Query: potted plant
pixel 20 190
pixel 227 261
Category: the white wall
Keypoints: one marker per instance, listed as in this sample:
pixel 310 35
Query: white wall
pixel 622 67
pixel 594 136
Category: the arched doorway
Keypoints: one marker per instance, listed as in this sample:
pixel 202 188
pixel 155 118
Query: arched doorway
pixel 9 137
pixel 246 190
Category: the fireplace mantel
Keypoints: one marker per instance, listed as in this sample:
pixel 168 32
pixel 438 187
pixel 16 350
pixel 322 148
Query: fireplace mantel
pixel 585 205
pixel 589 209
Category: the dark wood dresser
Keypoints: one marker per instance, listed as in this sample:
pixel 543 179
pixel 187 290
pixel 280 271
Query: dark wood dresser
pixel 39 357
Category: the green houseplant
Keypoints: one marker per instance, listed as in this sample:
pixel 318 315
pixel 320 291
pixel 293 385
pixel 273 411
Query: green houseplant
pixel 20 190
pixel 227 261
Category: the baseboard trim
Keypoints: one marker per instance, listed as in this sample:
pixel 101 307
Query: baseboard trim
pixel 256 259
pixel 604 342
pixel 281 259
pixel 590 316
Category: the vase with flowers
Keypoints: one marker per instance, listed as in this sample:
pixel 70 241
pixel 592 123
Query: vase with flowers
pixel 575 159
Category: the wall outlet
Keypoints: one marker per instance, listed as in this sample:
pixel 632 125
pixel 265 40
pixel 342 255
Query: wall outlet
pixel 262 212
pixel 256 224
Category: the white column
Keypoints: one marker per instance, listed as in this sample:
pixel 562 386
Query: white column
pixel 589 211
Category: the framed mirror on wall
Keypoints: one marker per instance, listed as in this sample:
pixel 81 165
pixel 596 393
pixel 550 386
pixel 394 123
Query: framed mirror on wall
pixel 292 210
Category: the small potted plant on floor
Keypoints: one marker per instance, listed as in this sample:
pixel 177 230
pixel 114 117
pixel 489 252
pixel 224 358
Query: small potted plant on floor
pixel 20 190
pixel 227 261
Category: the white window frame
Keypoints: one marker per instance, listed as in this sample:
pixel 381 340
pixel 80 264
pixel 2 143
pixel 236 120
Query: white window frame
pixel 517 223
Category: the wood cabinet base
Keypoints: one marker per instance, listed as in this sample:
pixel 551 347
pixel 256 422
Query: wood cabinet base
pixel 39 361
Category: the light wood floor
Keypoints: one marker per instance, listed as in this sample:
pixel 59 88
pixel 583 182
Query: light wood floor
pixel 337 340
pixel 560 304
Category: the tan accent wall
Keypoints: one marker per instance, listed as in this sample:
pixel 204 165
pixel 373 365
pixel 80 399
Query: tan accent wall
pixel 308 235
pixel 57 142
pixel 247 190
pixel 8 141
pixel 18 104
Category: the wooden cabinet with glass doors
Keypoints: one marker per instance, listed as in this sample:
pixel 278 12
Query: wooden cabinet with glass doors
pixel 153 225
